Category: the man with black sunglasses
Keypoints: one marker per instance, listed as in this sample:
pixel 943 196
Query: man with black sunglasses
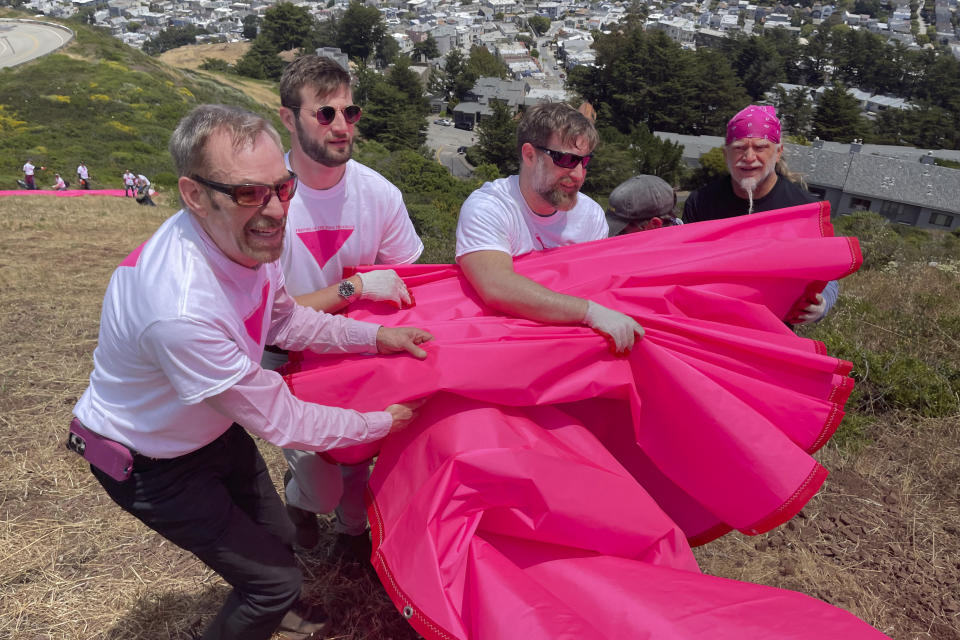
pixel 177 384
pixel 344 214
pixel 538 209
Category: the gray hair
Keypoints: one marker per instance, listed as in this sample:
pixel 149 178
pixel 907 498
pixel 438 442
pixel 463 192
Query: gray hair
pixel 542 120
pixel 189 140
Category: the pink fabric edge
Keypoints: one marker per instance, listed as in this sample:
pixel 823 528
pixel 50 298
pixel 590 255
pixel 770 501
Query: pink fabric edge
pixel 421 623
pixel 69 193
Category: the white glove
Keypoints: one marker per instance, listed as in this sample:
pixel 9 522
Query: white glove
pixel 618 326
pixel 384 284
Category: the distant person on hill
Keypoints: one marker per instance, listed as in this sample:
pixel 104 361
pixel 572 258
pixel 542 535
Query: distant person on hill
pixel 539 209
pixel 143 191
pixel 344 214
pixel 758 181
pixel 129 184
pixel 177 384
pixel 58 184
pixel 641 203
pixel 28 177
pixel 83 176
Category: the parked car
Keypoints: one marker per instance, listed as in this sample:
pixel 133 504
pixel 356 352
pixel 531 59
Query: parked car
pixel 446 122
pixel 438 121
pixel 461 149
pixel 467 126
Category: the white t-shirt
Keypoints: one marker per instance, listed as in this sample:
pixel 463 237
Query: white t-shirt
pixel 82 172
pixel 182 323
pixel 28 169
pixel 361 220
pixel 128 179
pixel 497 218
pixel 142 180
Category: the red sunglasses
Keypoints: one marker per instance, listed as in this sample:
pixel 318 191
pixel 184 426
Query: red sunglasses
pixel 254 195
pixel 326 114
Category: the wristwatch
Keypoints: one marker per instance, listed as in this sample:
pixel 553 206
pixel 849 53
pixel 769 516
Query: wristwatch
pixel 346 290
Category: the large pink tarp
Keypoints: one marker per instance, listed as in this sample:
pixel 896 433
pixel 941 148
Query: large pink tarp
pixel 69 193
pixel 553 487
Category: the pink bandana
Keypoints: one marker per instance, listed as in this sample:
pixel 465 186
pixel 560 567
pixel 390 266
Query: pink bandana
pixel 754 122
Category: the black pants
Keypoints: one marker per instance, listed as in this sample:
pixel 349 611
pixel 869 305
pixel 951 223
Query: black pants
pixel 219 503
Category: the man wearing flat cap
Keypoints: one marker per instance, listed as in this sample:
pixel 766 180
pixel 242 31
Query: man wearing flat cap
pixel 641 203
pixel 757 182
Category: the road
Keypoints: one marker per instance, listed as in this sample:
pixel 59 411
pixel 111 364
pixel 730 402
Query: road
pixel 24 40
pixel 445 141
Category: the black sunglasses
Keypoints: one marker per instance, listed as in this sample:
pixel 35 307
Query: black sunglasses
pixel 325 115
pixel 565 160
pixel 254 195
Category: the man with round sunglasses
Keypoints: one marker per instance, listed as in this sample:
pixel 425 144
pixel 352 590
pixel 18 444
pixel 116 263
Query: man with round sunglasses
pixel 344 214
pixel 540 208
pixel 177 384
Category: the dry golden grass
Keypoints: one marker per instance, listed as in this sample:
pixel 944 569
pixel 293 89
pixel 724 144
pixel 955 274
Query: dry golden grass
pixel 192 56
pixel 881 540
pixel 74 565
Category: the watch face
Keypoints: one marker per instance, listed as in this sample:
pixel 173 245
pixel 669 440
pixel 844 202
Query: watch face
pixel 346 289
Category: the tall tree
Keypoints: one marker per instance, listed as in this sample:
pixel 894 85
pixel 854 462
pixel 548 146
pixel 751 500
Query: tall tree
pixel 261 61
pixel 719 93
pixel 497 138
pixel 756 61
pixel 394 107
pixel 388 51
pixel 482 63
pixel 287 26
pixel 428 48
pixel 837 116
pixel 644 77
pixel 796 110
pixel 539 24
pixel 360 30
pixel 251 25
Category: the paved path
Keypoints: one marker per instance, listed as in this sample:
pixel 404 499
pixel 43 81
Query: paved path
pixel 25 40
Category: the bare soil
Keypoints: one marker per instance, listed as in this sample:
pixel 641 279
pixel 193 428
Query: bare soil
pixel 881 539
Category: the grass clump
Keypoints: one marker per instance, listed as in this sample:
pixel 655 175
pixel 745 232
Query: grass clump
pixel 898 322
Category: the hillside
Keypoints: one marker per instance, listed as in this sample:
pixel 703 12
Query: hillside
pixel 107 104
pixel 881 539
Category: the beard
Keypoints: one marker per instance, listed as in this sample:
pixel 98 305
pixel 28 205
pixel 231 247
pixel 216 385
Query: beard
pixel 321 153
pixel 750 184
pixel 553 194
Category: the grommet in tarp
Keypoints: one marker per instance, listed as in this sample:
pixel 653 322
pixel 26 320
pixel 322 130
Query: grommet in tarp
pixel 407 612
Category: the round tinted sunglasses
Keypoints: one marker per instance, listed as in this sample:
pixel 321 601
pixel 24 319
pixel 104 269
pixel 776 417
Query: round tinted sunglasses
pixel 565 160
pixel 326 114
pixel 254 195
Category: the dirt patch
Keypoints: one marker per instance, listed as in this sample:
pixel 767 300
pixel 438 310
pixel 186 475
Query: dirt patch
pixel 880 540
pixel 192 56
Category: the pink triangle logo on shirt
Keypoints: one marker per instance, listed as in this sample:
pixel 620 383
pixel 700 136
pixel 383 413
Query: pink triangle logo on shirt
pixel 254 321
pixel 323 244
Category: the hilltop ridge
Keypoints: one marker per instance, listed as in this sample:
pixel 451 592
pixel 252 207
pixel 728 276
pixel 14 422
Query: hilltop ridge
pixel 110 105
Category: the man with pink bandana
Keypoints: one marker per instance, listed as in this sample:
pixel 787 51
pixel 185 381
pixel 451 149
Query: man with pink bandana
pixel 753 152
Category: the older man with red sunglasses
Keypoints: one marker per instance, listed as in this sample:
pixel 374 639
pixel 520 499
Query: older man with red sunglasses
pixel 177 382
pixel 538 209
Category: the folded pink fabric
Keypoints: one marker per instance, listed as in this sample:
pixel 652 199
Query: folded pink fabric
pixel 69 193
pixel 552 485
